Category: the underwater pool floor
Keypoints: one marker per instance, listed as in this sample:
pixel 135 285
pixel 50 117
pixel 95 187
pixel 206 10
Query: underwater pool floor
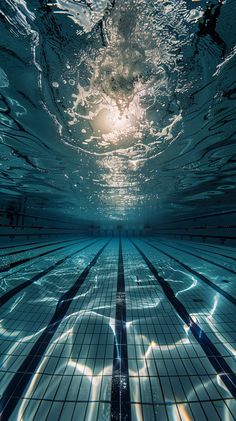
pixel 120 329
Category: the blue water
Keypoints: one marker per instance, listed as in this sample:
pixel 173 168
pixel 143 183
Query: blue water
pixel 117 119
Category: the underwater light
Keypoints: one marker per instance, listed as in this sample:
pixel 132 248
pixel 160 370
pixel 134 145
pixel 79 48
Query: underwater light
pixel 111 119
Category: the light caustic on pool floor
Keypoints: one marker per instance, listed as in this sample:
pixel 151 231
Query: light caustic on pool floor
pixel 100 328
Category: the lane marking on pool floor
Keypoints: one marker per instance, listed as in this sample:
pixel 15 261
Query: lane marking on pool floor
pixel 15 389
pixel 120 390
pixel 10 294
pixel 195 273
pixel 226 374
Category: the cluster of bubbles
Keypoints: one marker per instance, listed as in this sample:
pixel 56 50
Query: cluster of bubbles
pixel 124 84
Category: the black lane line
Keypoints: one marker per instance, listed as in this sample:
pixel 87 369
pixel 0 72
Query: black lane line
pixel 224 247
pixel 4 298
pixel 217 361
pixel 19 245
pixel 120 390
pixel 27 259
pixel 199 275
pixel 34 248
pixel 210 245
pixel 43 254
pixel 200 257
pixel 15 389
pixel 209 251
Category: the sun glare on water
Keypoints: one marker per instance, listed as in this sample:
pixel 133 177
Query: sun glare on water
pixel 110 120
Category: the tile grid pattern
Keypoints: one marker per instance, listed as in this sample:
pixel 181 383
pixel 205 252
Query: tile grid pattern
pixel 170 377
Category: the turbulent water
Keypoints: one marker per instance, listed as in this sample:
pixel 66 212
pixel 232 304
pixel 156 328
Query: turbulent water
pixel 114 110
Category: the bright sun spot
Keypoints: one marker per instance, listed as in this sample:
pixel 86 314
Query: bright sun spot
pixel 111 119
